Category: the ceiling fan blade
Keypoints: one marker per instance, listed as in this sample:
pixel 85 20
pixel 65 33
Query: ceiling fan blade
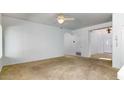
pixel 69 18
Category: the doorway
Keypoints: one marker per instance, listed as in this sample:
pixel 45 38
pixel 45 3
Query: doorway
pixel 101 43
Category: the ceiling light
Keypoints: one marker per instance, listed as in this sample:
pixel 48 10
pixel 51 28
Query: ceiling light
pixel 60 21
pixel 109 30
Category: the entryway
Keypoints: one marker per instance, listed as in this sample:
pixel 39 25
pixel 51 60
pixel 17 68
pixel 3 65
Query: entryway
pixel 101 43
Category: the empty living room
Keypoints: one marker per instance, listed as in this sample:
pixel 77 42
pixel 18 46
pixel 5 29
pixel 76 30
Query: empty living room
pixel 61 46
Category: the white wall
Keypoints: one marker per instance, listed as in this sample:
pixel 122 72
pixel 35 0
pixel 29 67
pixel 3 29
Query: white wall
pixel 118 40
pixel 82 38
pixel 0 36
pixel 68 43
pixel 0 41
pixel 27 41
pixel 82 44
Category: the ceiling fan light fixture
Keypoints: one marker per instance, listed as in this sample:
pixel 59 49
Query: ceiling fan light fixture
pixel 60 21
pixel 109 30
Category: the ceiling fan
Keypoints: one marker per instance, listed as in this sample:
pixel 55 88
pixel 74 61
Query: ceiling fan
pixel 109 30
pixel 61 18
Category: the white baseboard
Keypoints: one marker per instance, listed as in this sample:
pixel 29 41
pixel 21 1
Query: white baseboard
pixel 9 61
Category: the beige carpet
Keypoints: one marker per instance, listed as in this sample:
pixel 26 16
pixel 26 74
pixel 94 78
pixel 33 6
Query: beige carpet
pixel 61 68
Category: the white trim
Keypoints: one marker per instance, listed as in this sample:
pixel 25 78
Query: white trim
pixel 120 74
pixel 9 61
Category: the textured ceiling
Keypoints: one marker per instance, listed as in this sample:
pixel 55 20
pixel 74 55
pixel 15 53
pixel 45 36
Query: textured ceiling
pixel 81 19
